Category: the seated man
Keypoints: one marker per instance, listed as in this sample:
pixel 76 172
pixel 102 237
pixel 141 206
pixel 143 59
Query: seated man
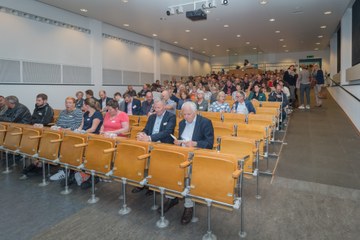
pixel 103 100
pixel 242 105
pixel 147 105
pixel 132 105
pixel 159 128
pixel 194 131
pixel 43 113
pixel 16 112
pixel 130 91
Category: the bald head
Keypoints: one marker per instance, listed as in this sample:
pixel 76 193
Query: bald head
pixel 165 95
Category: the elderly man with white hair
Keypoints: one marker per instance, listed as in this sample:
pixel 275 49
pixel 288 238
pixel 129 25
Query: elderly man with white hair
pixel 194 131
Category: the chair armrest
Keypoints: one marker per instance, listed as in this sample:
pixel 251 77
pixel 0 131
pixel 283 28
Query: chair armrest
pixel 237 173
pixel 56 140
pixel 80 145
pixel 51 124
pixel 3 130
pixel 15 134
pixel 126 133
pixel 185 164
pixel 141 157
pixel 109 150
pixel 35 137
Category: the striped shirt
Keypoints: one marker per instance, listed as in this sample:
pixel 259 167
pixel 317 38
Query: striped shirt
pixel 70 119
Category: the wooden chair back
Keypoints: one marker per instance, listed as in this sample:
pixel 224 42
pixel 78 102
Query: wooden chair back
pixel 49 145
pixel 30 140
pixel 12 138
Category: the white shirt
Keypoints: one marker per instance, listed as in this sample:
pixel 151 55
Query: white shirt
pixel 188 130
pixel 157 123
pixel 241 108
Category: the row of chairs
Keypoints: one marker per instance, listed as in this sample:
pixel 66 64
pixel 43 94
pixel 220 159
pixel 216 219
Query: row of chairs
pixel 135 163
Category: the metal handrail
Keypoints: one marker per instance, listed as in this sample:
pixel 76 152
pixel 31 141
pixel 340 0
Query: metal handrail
pixel 338 85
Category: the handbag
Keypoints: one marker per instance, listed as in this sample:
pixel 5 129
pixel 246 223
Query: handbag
pixel 323 93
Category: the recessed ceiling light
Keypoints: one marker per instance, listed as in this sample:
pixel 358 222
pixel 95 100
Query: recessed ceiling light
pixel 327 12
pixel 317 43
pixel 247 43
pixel 277 31
pixel 125 1
pixel 254 48
pixel 281 39
pixel 320 36
pixel 323 27
pixel 227 50
pixel 154 35
pixel 204 39
pixel 235 54
pixel 187 30
pixel 126 25
pixel 283 45
pixel 226 26
pixel 286 50
pixel 272 19
pixel 238 35
pixel 263 2
pixel 316 49
pixel 208 11
pixel 191 48
pixel 217 45
pixel 203 52
pixel 83 10
pixel 213 55
pixel 259 52
pixel 176 42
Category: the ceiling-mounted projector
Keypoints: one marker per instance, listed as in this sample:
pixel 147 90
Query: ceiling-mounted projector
pixel 196 15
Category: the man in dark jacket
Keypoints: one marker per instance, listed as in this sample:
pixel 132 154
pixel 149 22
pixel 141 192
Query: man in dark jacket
pixel 43 113
pixel 132 105
pixel 17 112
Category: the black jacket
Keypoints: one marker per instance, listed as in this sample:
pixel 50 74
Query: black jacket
pixel 42 114
pixel 19 114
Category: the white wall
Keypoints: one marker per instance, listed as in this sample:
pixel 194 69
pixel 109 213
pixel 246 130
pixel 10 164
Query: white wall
pixel 23 39
pixel 272 58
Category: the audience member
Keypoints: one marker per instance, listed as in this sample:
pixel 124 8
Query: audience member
pixel 115 122
pixel 120 100
pixel 220 105
pixel 132 105
pixel 184 97
pixel 43 113
pixel 147 104
pixel 130 90
pixel 16 112
pixel 304 79
pixel 201 103
pixel 318 75
pixel 279 96
pixel 257 94
pixel 92 119
pixel 242 105
pixel 143 91
pixel 3 106
pixel 170 104
pixel 103 100
pixel 71 117
pixel 79 99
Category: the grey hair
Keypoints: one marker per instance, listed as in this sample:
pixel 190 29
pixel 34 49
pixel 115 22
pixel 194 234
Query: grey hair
pixel 192 106
pixel 156 100
pixel 12 99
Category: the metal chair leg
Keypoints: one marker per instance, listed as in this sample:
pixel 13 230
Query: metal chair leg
pixel 66 189
pixel 194 218
pixel 7 170
pixel 93 198
pixel 209 235
pixel 242 233
pixel 14 162
pixel 154 207
pixel 257 171
pixel 44 182
pixel 125 209
pixel 162 222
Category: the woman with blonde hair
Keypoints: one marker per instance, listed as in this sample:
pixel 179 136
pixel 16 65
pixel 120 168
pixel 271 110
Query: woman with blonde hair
pixel 220 105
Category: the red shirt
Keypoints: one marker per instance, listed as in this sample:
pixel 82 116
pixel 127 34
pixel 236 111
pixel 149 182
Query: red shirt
pixel 115 123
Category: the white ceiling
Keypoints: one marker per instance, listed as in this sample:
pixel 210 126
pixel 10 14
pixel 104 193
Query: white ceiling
pixel 298 21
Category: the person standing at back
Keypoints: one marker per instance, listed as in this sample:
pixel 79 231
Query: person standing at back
pixel 304 79
pixel 318 75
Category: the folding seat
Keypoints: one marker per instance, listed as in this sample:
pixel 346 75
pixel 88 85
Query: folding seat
pixel 48 152
pixel 242 146
pixel 168 173
pixel 130 166
pixel 264 120
pixel 217 180
pixel 10 144
pixel 134 130
pixel 222 129
pixel 143 121
pixel 213 116
pixel 234 117
pixel 99 154
pixel 133 120
pixel 29 143
pixel 71 154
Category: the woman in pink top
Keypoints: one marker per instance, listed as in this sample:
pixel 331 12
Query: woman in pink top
pixel 115 121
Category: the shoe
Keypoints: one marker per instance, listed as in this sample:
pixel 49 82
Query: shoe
pixel 307 107
pixel 87 183
pixel 149 193
pixel 169 204
pixel 137 189
pixel 23 177
pixel 31 168
pixel 187 216
pixel 301 107
pixel 58 176
pixel 318 105
pixel 71 179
